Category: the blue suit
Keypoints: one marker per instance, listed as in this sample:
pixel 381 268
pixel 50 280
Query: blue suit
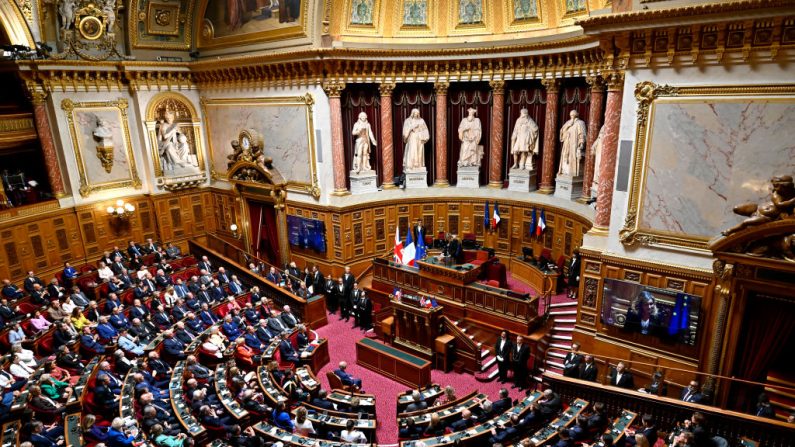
pixel 174 347
pixel 231 330
pixel 287 352
pixel 347 379
pixel 208 318
pixel 117 439
pixel 194 325
pixel 119 321
pixel 88 342
pixel 235 288
pixel 253 342
pixel 107 331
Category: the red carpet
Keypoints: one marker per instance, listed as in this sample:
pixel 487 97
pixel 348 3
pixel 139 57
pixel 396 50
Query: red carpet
pixel 342 346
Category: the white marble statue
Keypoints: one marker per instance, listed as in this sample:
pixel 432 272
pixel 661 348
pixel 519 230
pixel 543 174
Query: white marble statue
pixel 524 142
pixel 103 134
pixel 596 153
pixel 415 135
pixel 66 10
pixel 572 138
pixel 109 8
pixel 168 144
pixel 364 138
pixel 470 132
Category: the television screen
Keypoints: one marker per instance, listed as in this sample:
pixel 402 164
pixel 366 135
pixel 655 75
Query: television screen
pixel 669 315
pixel 307 233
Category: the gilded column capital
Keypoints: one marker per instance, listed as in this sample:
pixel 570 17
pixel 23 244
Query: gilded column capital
pixel 333 88
pixel 596 82
pixel 386 88
pixel 440 88
pixel 38 97
pixel 551 84
pixel 497 85
pixel 614 80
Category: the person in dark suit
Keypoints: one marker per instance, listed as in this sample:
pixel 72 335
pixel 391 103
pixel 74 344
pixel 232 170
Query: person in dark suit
pixel 172 346
pixel 349 283
pixel 287 351
pixel 339 295
pixel 468 420
pixel 455 250
pixel 205 264
pixel 30 280
pixel 621 377
pixel 104 396
pixel 288 318
pixel 364 312
pixel 346 378
pixel 502 404
pixel 410 431
pixel 564 438
pixel 549 404
pixel 763 407
pixel 692 393
pixel 11 291
pixel 658 387
pixel 273 276
pixel 573 279
pixel 588 369
pixel 252 341
pixel 571 364
pixel 648 429
pixel 321 401
pixel 417 403
pixel 275 324
pixel 597 420
pixel 263 333
pixel 502 351
pixel 643 317
pixel 520 354
pixel 133 250
pixel 328 290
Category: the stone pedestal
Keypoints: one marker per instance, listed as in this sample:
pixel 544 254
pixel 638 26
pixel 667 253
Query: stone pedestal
pixel 363 182
pixel 569 188
pixel 468 177
pixel 416 178
pixel 522 180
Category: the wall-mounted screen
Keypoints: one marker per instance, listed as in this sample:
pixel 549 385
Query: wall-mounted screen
pixel 307 233
pixel 669 315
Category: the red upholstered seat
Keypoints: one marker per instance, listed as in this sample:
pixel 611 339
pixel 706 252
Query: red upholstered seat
pixel 496 271
pixel 493 283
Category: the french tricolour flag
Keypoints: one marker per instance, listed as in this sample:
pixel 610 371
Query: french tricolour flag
pixel 542 224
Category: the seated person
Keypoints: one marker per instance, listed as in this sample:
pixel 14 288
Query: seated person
pixel 119 435
pixel 346 378
pixel 157 433
pixel 417 403
pixel 45 435
pixel 286 350
pixel 410 431
pixel 281 418
pixel 42 403
pixel 351 434
pixel 468 420
pixel 322 400
pixel 129 343
pixel 505 431
pixel 104 397
pixel 54 389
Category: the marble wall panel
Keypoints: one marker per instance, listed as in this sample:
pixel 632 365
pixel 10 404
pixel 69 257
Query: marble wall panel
pixel 706 156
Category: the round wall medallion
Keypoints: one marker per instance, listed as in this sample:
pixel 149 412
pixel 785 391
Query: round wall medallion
pixel 91 28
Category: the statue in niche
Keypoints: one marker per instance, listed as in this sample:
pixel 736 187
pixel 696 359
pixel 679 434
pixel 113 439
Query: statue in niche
pixel 572 138
pixel 109 8
pixel 103 135
pixel 781 206
pixel 364 138
pixel 168 145
pixel 415 135
pixel 66 10
pixel 470 132
pixel 524 142
pixel 596 153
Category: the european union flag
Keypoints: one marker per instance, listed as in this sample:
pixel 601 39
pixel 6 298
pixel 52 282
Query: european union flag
pixel 533 223
pixel 680 318
pixel 486 220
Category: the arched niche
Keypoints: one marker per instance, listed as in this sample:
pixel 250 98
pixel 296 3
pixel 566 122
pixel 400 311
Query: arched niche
pixel 13 22
pixel 174 130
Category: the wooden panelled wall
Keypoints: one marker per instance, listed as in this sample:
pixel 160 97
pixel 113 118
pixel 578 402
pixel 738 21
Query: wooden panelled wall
pixel 609 341
pixel 43 241
pixel 356 234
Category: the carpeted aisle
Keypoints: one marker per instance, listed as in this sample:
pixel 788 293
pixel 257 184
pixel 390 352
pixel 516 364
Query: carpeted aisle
pixel 342 339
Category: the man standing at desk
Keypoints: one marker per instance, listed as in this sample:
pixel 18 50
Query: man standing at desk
pixel 454 249
pixel 503 353
pixel 520 354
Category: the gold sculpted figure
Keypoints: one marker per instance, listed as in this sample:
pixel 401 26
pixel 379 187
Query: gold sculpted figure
pixel 781 205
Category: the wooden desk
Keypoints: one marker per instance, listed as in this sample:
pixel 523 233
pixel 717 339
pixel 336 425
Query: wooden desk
pixel 397 365
pixel 273 394
pixel 550 431
pixel 77 398
pixel 446 413
pixel 307 379
pixel 428 395
pixel 530 273
pixel 416 328
pixel 343 398
pixel 72 430
pixel 619 427
pixel 480 431
pixel 277 434
pixel 319 356
pixel 435 267
pixel 10 434
pixel 225 396
pixel 181 408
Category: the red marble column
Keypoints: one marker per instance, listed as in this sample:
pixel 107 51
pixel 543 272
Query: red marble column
pixel 550 137
pixel 334 91
pixel 441 134
pixel 387 148
pixel 47 144
pixel 594 124
pixel 607 163
pixel 497 140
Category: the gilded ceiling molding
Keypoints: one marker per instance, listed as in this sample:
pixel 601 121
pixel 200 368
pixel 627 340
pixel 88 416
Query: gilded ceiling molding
pixel 103 76
pixel 648 17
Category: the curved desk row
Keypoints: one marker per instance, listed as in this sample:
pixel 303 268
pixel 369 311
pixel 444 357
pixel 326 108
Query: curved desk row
pixel 273 394
pixel 481 430
pixel 277 434
pixel 445 414
pixel 307 380
pixel 429 395
pixel 225 396
pixel 181 408
pixel 80 389
pixel 550 431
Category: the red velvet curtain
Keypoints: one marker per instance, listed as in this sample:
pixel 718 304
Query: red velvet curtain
pixel 460 97
pixel 406 97
pixel 357 98
pixel 520 95
pixel 767 327
pixel 264 233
